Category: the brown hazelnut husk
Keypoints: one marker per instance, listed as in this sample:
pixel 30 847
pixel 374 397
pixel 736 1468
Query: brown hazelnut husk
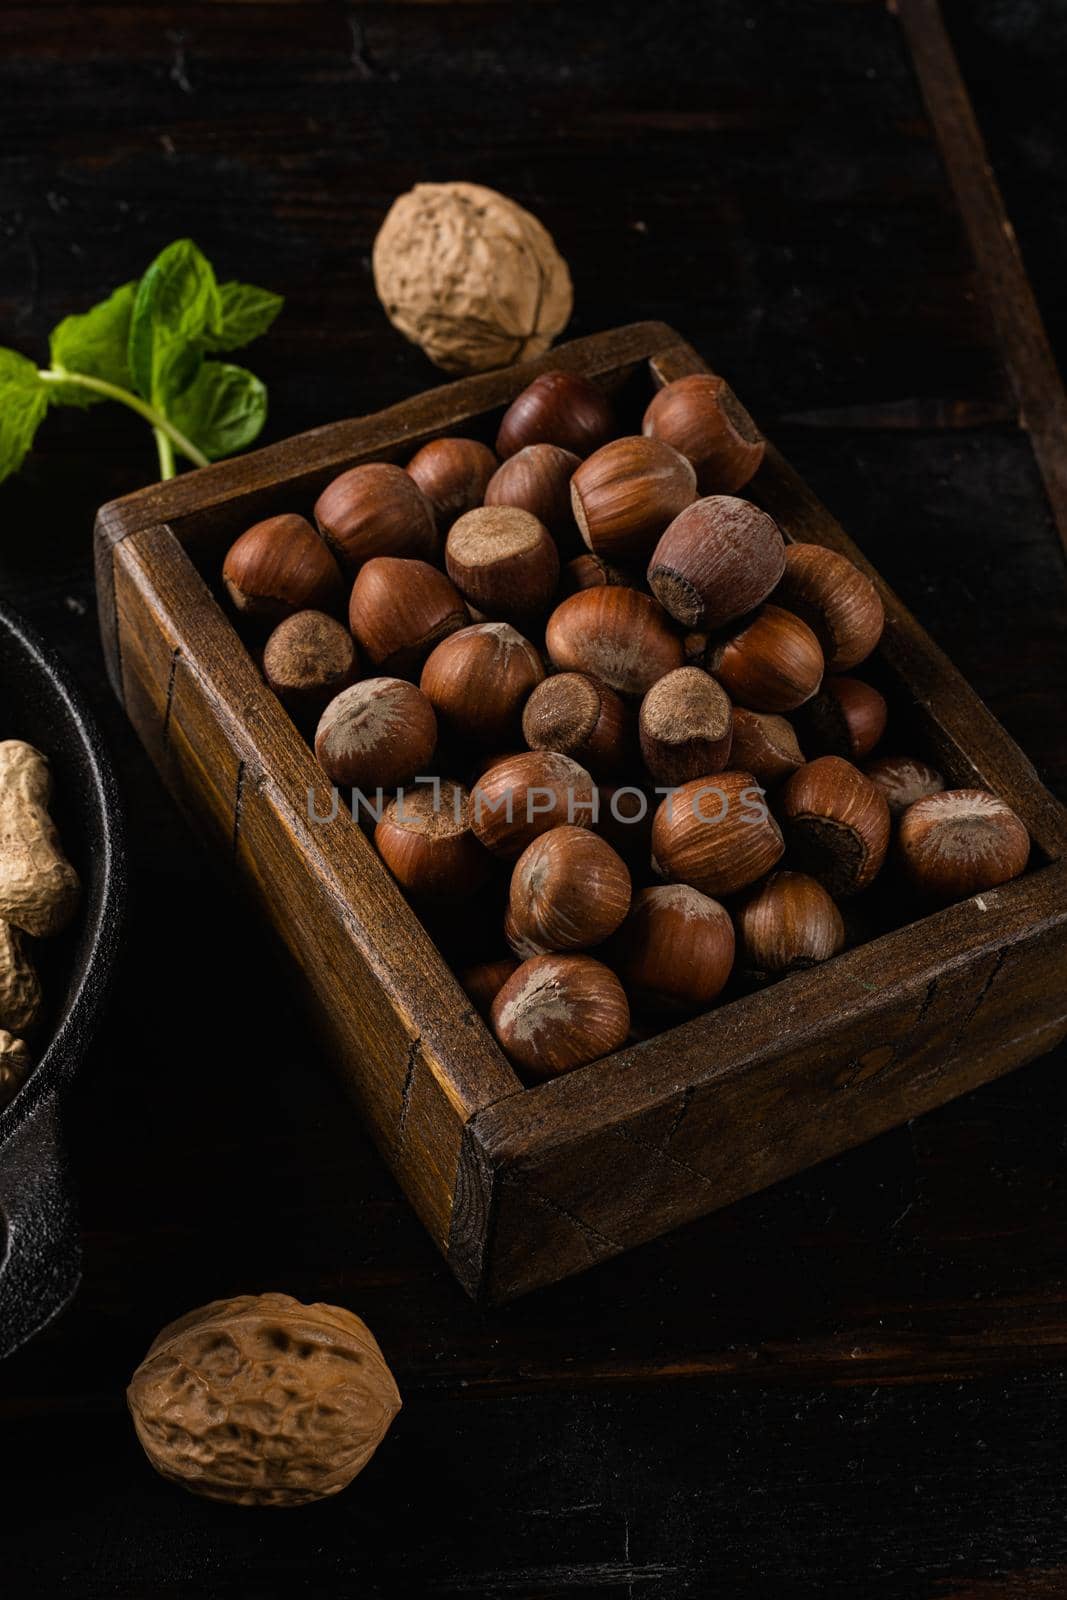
pixel 593 572
pixel 675 951
pixel 961 842
pixel 685 726
pixel 504 562
pixel 280 566
pixel 263 1401
pixel 903 780
pixel 718 560
pixel 569 891
pixel 308 659
pixel 523 796
pixel 581 718
pixel 626 493
pixel 770 662
pixel 537 479
pixel 377 734
pixel 424 837
pixel 836 824
pixel 478 680
pixel 376 510
pixel 558 408
pixel 619 636
pixel 846 718
pixel 400 610
pixel 484 981
pixel 702 418
pixel 559 1012
pixel 454 475
pixel 765 745
pixel 716 834
pixel 787 924
pixel 837 601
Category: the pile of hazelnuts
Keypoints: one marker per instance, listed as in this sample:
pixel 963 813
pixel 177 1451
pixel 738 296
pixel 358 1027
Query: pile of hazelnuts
pixel 649 695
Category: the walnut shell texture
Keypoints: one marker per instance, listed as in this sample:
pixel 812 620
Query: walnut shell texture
pixel 262 1400
pixel 470 276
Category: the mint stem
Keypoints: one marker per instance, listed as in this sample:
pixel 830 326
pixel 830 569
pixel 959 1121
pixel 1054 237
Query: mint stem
pixel 167 435
pixel 166 454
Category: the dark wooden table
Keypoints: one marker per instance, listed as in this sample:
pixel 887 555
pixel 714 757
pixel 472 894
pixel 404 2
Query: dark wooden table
pixel 853 1385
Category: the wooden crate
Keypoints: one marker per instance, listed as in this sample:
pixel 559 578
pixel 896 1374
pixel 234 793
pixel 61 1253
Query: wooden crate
pixel 522 1186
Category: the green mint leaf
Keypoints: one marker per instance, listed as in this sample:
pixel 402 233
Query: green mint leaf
pixel 222 410
pixel 23 403
pixel 246 313
pixel 93 344
pixel 176 308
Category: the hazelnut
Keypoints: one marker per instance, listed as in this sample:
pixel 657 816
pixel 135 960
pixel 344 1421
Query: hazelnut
pixel 537 479
pixel 627 492
pixel 308 659
pixel 837 601
pixel 961 842
pixel 569 891
pixel 620 636
pixel 836 824
pixel 695 646
pixel 504 562
pixel 765 745
pixel 524 796
pixel 557 408
pixel 263 1401
pixel 424 837
pixel 770 663
pixel 675 951
pixel 478 679
pixel 686 726
pixel 399 610
pixel 846 718
pixel 701 416
pixel 716 834
pixel 376 735
pixel 903 780
pixel 484 981
pixel 718 560
pixel 788 923
pixel 281 566
pixel 593 572
pixel 581 718
pixel 376 510
pixel 453 474
pixel 558 1012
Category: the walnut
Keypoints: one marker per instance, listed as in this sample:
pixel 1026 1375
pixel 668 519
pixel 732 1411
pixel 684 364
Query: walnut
pixel 15 1063
pixel 263 1401
pixel 470 276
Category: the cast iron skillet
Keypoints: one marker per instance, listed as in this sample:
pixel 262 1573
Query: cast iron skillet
pixel 40 1263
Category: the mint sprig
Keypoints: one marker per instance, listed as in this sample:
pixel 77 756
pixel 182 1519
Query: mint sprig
pixel 146 346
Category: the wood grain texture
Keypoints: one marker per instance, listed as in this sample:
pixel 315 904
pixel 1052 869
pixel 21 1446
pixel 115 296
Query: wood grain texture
pixel 850 1384
pixel 522 1188
pixel 1024 343
pixel 402 1034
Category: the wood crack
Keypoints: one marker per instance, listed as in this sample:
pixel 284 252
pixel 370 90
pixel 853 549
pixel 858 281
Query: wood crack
pixel 168 706
pixel 405 1094
pixel 586 1229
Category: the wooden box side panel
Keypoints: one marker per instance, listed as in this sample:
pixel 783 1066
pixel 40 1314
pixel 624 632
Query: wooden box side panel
pixel 415 1055
pixel 555 1188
